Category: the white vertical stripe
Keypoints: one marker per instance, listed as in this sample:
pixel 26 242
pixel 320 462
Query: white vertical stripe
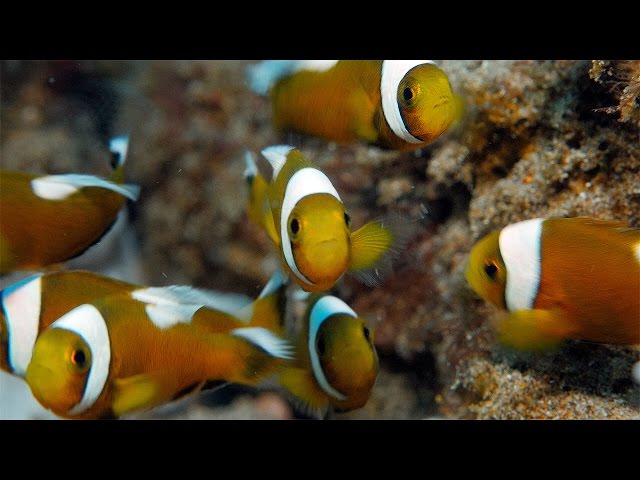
pixel 21 306
pixel 393 71
pixel 305 182
pixel 520 245
pixel 87 322
pixel 323 309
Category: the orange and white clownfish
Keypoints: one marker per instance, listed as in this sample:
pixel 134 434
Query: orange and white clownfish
pixel 139 346
pixel 395 104
pixel 48 219
pixel 303 214
pixel 336 363
pixel 561 278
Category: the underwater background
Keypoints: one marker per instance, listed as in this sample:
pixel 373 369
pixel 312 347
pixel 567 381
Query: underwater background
pixel 538 139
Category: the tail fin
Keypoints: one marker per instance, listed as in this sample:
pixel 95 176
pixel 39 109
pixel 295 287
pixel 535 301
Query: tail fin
pixel 118 146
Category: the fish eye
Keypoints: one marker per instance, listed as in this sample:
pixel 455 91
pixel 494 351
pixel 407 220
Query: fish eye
pixel 347 219
pixel 491 269
pixel 366 333
pixel 78 358
pixel 320 346
pixel 295 226
pixel 408 94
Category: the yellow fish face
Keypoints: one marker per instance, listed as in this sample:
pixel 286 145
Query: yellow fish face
pixel 427 104
pixel 348 359
pixel 486 271
pixel 58 371
pixel 319 232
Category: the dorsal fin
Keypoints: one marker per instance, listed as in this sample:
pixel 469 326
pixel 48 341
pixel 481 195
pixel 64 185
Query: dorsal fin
pixel 183 294
pixel 263 75
pixel 276 155
pixel 59 187
pixel 118 146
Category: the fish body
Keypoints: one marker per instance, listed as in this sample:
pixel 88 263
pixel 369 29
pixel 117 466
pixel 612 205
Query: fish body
pixel 145 345
pixel 561 278
pixel 302 212
pixel 395 104
pixel 336 363
pixel 52 218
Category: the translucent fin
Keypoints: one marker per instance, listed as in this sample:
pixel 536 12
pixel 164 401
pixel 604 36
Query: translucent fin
pixel 59 187
pixel 376 245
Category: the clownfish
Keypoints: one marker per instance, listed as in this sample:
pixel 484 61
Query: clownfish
pixel 93 347
pixel 52 218
pixel 304 216
pixel 394 104
pixel 336 363
pixel 559 279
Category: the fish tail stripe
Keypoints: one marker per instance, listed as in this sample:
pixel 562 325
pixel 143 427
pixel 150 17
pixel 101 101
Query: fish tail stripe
pixel 393 71
pixel 323 309
pixel 21 307
pixel 59 187
pixel 276 155
pixel 119 146
pixel 266 340
pixel 87 322
pixel 306 181
pixel 520 247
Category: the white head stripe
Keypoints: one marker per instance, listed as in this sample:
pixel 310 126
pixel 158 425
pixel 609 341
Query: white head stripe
pixel 393 71
pixel 119 146
pixel 87 322
pixel 323 309
pixel 21 306
pixel 59 187
pixel 520 245
pixel 277 157
pixel 305 182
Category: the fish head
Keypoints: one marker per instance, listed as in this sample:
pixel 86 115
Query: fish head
pixel 486 272
pixel 319 233
pixel 59 368
pixel 427 103
pixel 348 358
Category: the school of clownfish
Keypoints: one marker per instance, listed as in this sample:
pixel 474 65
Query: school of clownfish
pixel 89 346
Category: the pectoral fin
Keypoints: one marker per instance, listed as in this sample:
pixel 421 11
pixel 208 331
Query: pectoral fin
pixel 533 329
pixel 303 391
pixel 140 392
pixel 375 245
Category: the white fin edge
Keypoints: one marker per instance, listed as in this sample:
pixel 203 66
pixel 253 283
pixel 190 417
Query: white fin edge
pixel 167 315
pixel 59 187
pixel 276 155
pixel 119 146
pixel 266 340
pixel 183 294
